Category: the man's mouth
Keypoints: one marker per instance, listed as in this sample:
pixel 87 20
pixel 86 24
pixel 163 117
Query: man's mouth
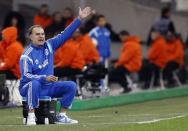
pixel 41 40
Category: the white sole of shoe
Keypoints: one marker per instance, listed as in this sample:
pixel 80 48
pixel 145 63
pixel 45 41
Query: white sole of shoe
pixel 65 123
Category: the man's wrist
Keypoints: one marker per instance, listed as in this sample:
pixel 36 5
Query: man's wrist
pixel 79 18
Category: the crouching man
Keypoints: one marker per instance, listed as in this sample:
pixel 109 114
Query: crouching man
pixel 36 65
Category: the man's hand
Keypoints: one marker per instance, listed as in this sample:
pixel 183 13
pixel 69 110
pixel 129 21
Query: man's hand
pixel 84 13
pixel 51 78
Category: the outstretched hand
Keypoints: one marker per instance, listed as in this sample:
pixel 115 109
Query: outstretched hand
pixel 84 13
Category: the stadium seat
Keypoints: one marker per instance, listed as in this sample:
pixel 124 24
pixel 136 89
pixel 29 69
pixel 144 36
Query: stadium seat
pixel 14 96
pixel 45 113
pixel 176 78
pixel 132 82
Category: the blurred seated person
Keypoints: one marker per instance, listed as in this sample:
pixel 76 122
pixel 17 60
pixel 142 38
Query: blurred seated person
pixel 43 18
pixel 175 53
pixel 68 59
pixel 87 47
pixel 56 25
pixel 15 19
pixel 10 52
pixel 130 60
pixel 157 58
pixel 67 16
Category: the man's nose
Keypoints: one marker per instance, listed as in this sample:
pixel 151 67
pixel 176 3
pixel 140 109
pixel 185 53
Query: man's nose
pixel 41 35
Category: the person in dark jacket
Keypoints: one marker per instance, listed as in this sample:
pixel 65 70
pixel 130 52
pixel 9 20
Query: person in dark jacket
pixel 56 25
pixel 164 24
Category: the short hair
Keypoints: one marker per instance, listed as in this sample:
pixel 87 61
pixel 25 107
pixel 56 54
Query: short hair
pixel 30 30
pixel 99 16
pixel 165 10
pixel 124 32
pixel 68 9
pixel 44 6
pixel 55 13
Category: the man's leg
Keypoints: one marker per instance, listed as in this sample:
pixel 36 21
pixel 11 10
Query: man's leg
pixel 119 75
pixel 168 71
pixel 149 73
pixel 156 71
pixel 31 92
pixel 67 91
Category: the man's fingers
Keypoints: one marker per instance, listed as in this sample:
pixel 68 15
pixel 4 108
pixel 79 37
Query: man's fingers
pixel 80 10
pixel 52 78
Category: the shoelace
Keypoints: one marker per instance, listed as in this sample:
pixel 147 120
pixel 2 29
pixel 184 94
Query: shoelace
pixel 67 120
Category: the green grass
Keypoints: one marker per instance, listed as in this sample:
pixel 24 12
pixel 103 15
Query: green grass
pixel 119 118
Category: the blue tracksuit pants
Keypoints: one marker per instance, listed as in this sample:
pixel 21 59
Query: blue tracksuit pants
pixel 34 89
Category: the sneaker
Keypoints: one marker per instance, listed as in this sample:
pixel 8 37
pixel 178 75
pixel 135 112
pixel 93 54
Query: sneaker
pixel 31 120
pixel 64 119
pixel 126 90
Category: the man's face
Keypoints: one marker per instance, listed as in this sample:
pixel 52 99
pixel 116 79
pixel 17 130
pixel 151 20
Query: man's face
pixel 58 18
pixel 101 22
pixel 76 34
pixel 123 37
pixel 154 35
pixel 37 36
pixel 169 36
pixel 44 10
pixel 14 22
pixel 67 14
pixel 167 14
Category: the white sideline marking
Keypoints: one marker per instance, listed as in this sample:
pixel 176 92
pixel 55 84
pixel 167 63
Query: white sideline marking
pixel 96 116
pixel 161 119
pixel 135 115
pixel 139 122
pixel 118 123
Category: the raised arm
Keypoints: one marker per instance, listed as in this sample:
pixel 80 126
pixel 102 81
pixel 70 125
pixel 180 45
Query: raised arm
pixel 60 39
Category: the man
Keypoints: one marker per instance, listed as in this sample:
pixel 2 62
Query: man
pixel 157 57
pixel 77 52
pixel 164 24
pixel 101 36
pixel 56 25
pixel 36 66
pixel 10 52
pixel 43 18
pixel 130 59
pixel 67 16
pixel 87 47
pixel 69 59
pixel 175 53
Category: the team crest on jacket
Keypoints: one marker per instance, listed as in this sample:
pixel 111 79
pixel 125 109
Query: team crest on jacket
pixel 37 61
pixel 46 52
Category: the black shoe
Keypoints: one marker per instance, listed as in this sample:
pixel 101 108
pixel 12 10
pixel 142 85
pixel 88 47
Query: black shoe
pixel 127 90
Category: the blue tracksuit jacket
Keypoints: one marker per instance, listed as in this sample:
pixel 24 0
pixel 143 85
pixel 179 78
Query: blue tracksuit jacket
pixel 37 62
pixel 102 35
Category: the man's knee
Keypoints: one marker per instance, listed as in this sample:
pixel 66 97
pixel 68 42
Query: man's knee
pixel 72 86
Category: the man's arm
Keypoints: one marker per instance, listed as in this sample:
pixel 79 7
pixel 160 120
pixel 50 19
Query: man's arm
pixel 60 39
